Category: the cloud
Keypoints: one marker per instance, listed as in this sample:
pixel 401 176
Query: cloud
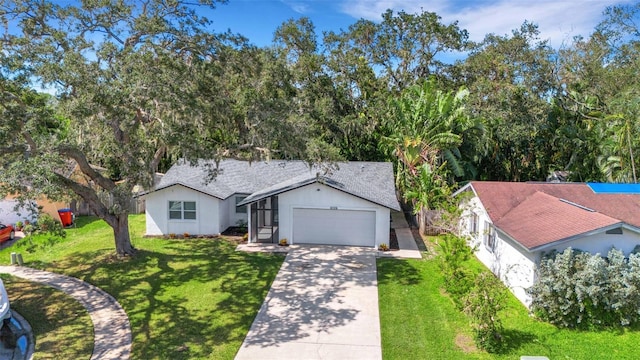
pixel 298 6
pixel 558 21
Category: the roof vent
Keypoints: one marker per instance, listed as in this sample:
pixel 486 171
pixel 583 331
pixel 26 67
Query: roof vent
pixel 577 205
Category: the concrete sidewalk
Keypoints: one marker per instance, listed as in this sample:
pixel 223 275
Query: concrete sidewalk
pixel 323 304
pixel 406 242
pixel 112 332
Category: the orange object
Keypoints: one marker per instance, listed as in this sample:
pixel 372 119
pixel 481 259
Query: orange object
pixel 66 217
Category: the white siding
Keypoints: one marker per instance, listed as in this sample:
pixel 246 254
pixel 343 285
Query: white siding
pixel 230 217
pixel 602 243
pixel 514 265
pixel 225 209
pixel 319 196
pixel 207 220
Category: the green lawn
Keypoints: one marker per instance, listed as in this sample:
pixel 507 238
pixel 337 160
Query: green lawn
pixel 418 320
pixel 55 319
pixel 186 299
pixel 196 299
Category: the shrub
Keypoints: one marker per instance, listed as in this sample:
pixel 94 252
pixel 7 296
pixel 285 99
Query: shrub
pixel 578 290
pixel 42 235
pixel 48 225
pixel 383 247
pixel 482 304
pixel 458 279
pixel 480 296
pixel 242 225
pixel 28 229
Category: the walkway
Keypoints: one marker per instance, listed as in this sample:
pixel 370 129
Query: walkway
pixel 323 304
pixel 112 332
pixel 406 242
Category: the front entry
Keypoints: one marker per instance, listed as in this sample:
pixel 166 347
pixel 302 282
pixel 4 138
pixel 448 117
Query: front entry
pixel 264 220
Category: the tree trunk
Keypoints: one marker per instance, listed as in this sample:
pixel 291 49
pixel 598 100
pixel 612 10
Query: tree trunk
pixel 122 237
pixel 117 217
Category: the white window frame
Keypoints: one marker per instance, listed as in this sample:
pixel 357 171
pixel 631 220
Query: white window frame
pixel 241 209
pixel 474 224
pixel 489 239
pixel 187 213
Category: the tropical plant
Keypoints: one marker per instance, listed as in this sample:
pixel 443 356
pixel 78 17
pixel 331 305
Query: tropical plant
pixel 425 135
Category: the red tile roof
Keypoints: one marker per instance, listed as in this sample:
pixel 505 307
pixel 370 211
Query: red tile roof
pixel 536 214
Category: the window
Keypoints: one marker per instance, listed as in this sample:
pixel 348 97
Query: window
pixel 616 231
pixel 473 224
pixel 489 236
pixel 182 210
pixel 240 209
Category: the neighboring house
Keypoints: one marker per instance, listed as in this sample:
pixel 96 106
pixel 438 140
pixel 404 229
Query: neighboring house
pixel 513 224
pixel 29 211
pixel 11 211
pixel 276 199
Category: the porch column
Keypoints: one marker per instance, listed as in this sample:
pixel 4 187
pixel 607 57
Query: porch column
pixel 249 227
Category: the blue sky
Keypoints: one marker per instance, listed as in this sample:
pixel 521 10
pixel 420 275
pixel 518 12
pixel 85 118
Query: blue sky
pixel 558 20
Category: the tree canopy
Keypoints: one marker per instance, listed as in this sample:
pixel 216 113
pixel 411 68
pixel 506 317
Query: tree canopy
pixel 137 85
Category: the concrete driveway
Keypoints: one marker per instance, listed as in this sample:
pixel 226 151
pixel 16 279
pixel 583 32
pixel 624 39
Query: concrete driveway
pixel 323 304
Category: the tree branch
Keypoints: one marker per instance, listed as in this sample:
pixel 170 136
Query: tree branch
pixel 90 197
pixel 85 167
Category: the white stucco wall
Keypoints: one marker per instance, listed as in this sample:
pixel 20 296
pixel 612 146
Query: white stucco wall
pixel 9 215
pixel 319 196
pixel 230 217
pixel 602 243
pixel 207 220
pixel 514 265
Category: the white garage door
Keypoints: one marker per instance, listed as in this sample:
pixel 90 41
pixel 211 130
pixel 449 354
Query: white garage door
pixel 334 227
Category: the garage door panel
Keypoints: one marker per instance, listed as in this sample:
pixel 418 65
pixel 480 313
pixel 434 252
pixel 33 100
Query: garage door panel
pixel 334 227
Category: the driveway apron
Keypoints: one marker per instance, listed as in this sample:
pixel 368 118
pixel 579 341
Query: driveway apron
pixel 323 304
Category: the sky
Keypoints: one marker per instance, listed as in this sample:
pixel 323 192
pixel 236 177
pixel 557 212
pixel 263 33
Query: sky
pixel 558 20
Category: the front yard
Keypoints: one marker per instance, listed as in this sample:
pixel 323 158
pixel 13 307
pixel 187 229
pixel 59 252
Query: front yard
pixel 418 320
pixel 196 299
pixel 186 299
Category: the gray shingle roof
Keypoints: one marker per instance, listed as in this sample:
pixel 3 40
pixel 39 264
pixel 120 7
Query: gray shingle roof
pixel 372 181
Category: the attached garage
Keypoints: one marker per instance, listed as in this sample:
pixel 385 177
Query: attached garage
pixel 334 227
pixel 349 205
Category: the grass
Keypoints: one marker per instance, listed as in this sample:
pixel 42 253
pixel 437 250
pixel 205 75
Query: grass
pixel 186 299
pixel 419 320
pixel 55 319
pixel 196 299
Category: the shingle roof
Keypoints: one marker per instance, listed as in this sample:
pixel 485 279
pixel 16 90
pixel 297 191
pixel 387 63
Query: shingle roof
pixel 542 219
pixel 537 214
pixel 372 181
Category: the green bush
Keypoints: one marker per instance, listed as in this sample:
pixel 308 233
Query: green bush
pixel 458 279
pixel 575 289
pixel 482 304
pixel 48 225
pixel 44 234
pixel 480 296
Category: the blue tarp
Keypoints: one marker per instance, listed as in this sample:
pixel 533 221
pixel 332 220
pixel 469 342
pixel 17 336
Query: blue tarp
pixel 606 188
